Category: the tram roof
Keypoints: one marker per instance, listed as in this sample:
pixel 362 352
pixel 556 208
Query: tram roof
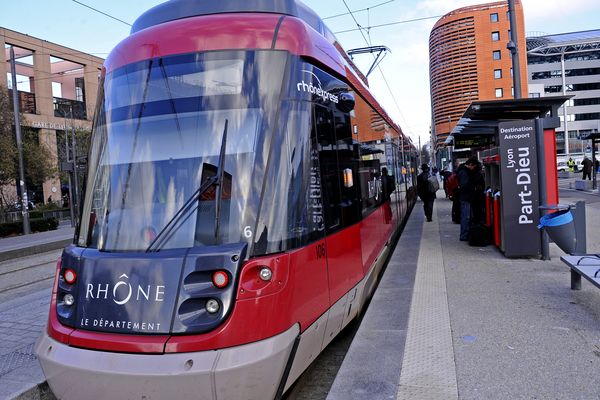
pixel 177 9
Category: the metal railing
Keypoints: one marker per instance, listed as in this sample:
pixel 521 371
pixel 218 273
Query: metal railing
pixel 16 216
pixel 66 108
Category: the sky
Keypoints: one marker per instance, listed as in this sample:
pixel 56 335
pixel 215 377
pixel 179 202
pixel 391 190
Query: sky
pixel 401 84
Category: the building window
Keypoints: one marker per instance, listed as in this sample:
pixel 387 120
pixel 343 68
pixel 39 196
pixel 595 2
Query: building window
pixel 499 93
pixel 495 36
pixel 494 17
pixel 56 89
pixel 497 73
pixel 496 54
pixel 512 91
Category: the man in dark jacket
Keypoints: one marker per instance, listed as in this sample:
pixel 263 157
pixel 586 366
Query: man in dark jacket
pixel 424 192
pixel 466 182
pixel 587 168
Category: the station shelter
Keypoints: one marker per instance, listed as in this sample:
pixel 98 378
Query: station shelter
pixel 516 142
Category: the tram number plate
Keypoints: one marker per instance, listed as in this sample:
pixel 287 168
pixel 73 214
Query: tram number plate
pixel 320 250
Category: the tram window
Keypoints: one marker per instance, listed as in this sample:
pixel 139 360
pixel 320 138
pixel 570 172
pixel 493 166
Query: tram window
pixel 348 159
pixel 291 214
pixel 370 184
pixel 330 179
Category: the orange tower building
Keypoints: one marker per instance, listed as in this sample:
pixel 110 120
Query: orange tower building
pixel 469 61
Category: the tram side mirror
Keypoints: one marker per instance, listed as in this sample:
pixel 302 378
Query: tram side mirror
pixel 346 102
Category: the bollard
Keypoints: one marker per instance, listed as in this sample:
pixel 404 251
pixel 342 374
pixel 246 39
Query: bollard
pixel 488 208
pixel 496 204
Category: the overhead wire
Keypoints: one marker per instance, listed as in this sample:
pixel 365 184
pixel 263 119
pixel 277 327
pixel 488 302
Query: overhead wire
pixel 389 24
pixel 362 9
pixel 101 12
pixel 360 29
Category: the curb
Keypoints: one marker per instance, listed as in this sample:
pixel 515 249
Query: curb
pixel 40 248
pixel 41 391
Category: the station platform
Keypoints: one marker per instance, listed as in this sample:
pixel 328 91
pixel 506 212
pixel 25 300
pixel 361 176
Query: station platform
pixel 26 245
pixel 448 321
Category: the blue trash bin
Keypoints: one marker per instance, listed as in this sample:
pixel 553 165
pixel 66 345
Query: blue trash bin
pixel 561 229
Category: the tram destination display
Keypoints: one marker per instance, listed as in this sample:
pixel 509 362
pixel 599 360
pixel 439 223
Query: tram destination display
pixel 520 193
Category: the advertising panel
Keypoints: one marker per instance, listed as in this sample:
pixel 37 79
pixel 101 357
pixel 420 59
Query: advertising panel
pixel 520 190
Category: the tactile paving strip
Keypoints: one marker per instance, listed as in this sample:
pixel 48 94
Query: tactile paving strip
pixel 428 368
pixel 11 361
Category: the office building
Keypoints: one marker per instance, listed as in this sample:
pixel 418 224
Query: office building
pixel 469 61
pixel 568 64
pixel 57 88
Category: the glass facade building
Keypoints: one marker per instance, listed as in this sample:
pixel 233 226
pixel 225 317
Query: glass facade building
pixel 569 64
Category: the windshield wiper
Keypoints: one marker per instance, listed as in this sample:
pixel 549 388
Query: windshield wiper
pixel 219 182
pixel 192 203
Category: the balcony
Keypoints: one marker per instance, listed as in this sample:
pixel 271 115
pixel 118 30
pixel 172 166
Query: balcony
pixel 26 101
pixel 65 108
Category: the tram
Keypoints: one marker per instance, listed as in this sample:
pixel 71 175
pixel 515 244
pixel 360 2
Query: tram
pixel 243 192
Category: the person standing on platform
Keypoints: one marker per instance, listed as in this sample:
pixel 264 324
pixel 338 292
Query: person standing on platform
pixel 571 165
pixel 426 194
pixel 466 182
pixel 587 168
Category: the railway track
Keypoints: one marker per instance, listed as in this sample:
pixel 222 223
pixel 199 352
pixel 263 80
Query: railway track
pixel 25 275
pixel 316 381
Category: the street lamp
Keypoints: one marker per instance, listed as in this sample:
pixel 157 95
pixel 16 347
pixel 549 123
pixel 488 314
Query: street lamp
pixel 17 112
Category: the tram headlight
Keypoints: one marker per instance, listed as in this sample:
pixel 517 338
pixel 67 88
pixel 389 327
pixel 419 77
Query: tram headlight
pixel 212 306
pixel 69 300
pixel 265 274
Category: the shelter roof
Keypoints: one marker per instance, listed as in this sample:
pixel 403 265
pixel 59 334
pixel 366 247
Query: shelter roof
pixel 482 117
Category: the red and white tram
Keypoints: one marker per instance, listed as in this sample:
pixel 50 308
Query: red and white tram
pixel 243 191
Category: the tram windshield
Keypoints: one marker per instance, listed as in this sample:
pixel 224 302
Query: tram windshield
pixel 157 139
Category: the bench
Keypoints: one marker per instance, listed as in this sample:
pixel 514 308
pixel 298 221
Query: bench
pixel 587 266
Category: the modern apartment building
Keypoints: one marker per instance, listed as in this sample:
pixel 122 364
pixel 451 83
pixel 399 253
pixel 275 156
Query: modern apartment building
pixel 57 88
pixel 568 64
pixel 469 61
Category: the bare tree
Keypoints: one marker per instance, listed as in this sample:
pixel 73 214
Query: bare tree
pixel 38 166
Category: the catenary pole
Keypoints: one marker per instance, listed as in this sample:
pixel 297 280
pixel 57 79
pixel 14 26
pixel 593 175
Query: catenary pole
pixel 17 112
pixel 513 46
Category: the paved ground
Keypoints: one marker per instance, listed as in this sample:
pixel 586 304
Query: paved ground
pixel 490 328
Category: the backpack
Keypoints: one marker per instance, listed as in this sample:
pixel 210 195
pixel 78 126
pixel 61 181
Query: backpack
pixel 433 184
pixel 452 184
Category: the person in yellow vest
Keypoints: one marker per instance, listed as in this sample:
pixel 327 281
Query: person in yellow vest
pixel 571 165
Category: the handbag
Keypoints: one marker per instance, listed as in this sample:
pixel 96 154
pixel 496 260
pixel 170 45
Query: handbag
pixel 433 184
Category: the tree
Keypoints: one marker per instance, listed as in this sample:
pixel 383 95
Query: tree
pixel 425 157
pixel 36 157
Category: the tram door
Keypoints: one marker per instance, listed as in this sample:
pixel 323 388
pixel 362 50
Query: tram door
pixel 338 159
pixel 391 214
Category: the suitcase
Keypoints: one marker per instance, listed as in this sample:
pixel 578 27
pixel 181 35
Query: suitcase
pixel 479 235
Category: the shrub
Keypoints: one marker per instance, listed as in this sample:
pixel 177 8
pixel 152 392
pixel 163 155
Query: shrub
pixel 37 225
